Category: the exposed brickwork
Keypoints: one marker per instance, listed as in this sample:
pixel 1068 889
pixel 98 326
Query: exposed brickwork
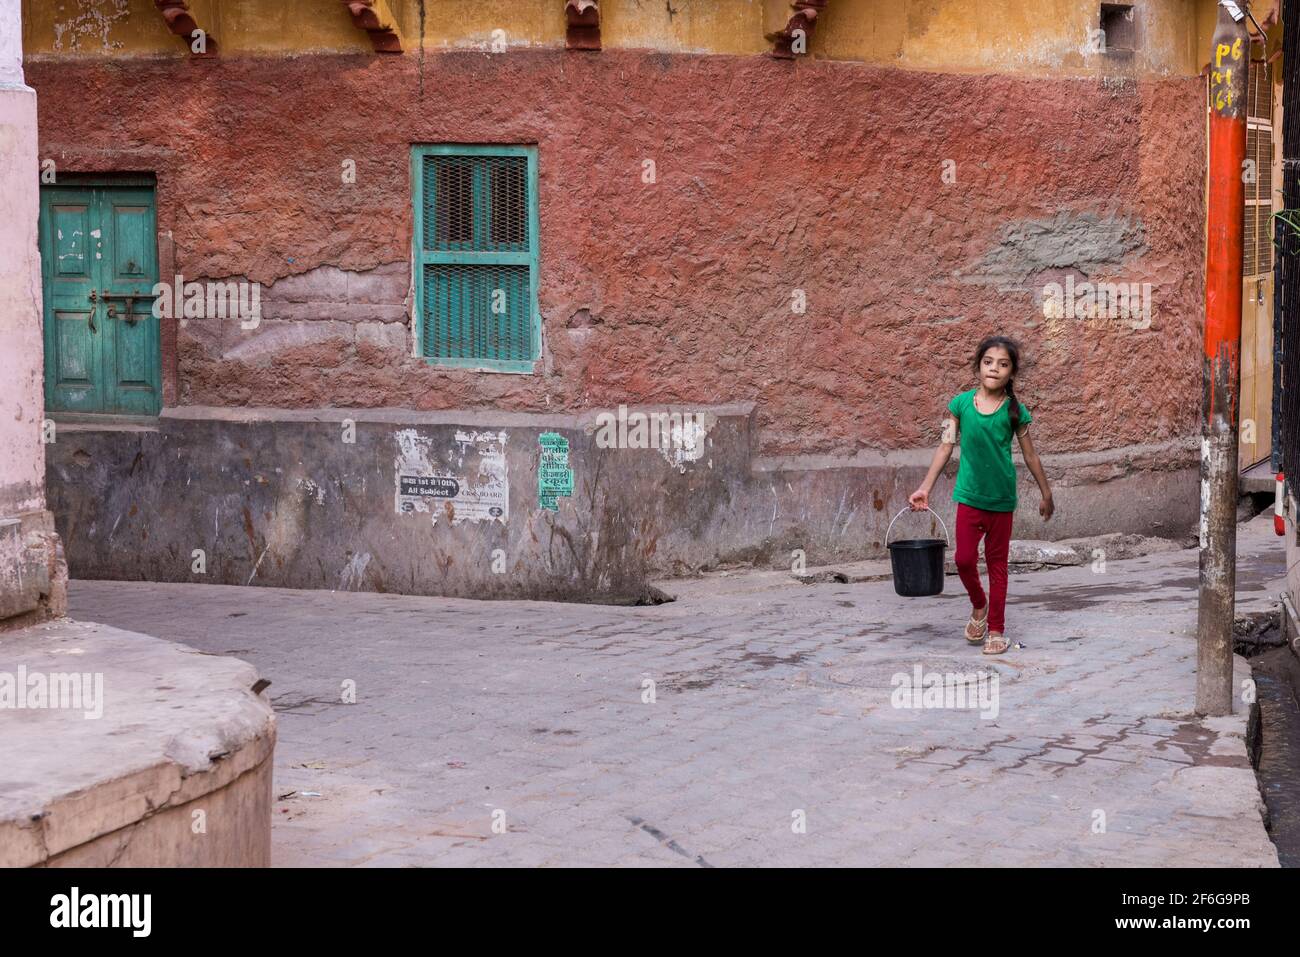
pixel 770 177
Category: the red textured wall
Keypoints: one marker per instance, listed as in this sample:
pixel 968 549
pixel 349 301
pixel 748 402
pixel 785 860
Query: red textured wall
pixel 772 176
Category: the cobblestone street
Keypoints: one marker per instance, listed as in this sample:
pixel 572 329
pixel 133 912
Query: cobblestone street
pixel 772 707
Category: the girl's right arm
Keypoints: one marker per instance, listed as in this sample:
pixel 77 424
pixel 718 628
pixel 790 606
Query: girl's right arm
pixel 920 499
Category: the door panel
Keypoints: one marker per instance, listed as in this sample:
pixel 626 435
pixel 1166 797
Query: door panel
pixel 73 348
pixel 1246 450
pixel 71 224
pixel 1264 370
pixel 131 238
pixel 76 375
pixel 134 358
pixel 99 263
pixel 1256 368
pixel 130 268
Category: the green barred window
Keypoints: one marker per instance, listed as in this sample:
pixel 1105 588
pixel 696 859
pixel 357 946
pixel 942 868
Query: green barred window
pixel 475 256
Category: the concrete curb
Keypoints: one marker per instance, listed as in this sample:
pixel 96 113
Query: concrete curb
pixel 180 732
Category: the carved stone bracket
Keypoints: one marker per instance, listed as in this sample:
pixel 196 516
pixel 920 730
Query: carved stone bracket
pixel 181 22
pixel 784 42
pixel 583 24
pixel 375 18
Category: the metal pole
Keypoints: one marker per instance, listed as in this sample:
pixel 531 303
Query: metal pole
pixel 1221 369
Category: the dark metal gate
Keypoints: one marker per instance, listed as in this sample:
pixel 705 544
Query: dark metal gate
pixel 1286 264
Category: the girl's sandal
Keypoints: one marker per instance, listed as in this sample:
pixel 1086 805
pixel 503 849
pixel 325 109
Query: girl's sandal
pixel 996 644
pixel 981 629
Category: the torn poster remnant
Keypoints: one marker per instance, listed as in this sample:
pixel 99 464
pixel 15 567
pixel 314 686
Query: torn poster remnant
pixel 465 482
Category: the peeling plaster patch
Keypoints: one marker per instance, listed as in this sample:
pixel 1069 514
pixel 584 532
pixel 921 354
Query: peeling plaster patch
pixel 467 482
pixel 353 574
pixel 681 437
pixel 313 490
pixel 1083 241
pixel 272 338
pixel 1205 492
pixel 495 41
pixel 685 438
pixel 93 20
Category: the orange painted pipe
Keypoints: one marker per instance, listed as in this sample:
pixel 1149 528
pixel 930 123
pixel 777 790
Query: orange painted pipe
pixel 1221 368
pixel 1225 214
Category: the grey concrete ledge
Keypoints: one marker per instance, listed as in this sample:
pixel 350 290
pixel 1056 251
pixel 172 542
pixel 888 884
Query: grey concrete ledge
pixel 1175 453
pixel 480 417
pixel 1171 454
pixel 86 422
pixel 180 732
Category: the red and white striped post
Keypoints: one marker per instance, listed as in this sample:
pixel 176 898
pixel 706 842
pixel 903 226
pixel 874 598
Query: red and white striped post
pixel 1279 505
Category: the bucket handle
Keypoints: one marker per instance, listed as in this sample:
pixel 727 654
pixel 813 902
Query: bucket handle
pixel 909 508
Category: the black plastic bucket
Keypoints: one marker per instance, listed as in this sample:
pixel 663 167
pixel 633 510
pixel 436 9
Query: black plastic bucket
pixel 917 562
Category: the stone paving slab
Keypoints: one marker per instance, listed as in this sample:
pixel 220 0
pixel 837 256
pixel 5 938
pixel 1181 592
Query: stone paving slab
pixel 772 738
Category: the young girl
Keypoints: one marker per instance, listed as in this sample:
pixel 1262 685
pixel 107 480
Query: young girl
pixel 986 417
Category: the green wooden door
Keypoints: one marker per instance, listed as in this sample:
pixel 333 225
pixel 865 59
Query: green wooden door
pixel 99 264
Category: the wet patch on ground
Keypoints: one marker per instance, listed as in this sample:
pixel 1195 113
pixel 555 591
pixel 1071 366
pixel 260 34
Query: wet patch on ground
pixel 730 671
pixel 1080 597
pixel 1274 736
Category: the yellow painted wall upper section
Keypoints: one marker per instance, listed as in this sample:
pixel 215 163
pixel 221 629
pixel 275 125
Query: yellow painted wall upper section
pixel 679 26
pixel 697 26
pixel 135 27
pixel 998 36
pixel 455 24
pixel 1043 36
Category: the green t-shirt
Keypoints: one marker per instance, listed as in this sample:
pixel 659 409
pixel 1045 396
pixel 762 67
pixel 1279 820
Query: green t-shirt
pixel 986 476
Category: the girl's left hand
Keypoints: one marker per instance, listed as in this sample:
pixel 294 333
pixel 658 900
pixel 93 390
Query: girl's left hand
pixel 1046 507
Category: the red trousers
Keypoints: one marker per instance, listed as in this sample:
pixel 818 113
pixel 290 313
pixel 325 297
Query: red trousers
pixel 972 525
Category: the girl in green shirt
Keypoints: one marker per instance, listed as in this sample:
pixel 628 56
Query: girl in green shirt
pixel 986 418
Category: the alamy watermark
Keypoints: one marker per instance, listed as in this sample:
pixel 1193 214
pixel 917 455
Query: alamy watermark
pixel 936 689
pixel 74 691
pixel 1128 302
pixel 75 909
pixel 681 436
pixel 209 300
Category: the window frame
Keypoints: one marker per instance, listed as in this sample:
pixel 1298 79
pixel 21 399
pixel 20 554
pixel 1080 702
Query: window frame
pixel 1259 122
pixel 421 257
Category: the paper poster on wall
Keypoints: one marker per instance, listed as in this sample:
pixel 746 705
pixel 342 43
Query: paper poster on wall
pixel 554 477
pixel 463 482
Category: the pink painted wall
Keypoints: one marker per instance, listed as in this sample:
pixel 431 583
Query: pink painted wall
pixel 22 456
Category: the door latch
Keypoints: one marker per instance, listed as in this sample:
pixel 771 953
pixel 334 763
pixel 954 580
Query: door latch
pixel 129 315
